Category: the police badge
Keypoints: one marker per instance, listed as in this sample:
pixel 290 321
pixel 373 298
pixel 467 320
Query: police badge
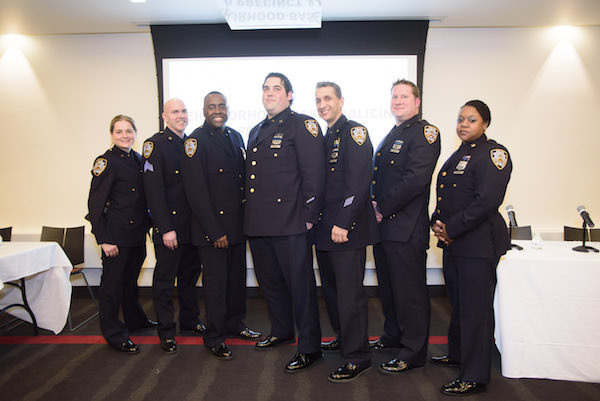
pixel 190 147
pixel 359 134
pixel 312 126
pixel 148 148
pixel 99 166
pixel 499 158
pixel 431 133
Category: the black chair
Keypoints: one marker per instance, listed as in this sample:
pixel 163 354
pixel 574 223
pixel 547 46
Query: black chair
pixel 71 239
pixel 523 233
pixel 6 233
pixel 575 234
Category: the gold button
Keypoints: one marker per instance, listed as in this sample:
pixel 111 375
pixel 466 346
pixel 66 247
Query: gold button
pixel 132 189
pixel 253 162
pixel 376 168
pixel 438 211
pixel 373 182
pixel 372 196
pixel 251 190
pixel 274 154
pixel 392 162
pixel 454 185
pixel 441 185
pixel 174 211
pixel 278 200
pixel 176 171
pixel 439 198
pixel 378 153
pixel 443 173
pixel 220 212
pixel 252 176
pixel 333 169
pixel 220 170
pixel 130 221
pixel 239 176
pixel 254 149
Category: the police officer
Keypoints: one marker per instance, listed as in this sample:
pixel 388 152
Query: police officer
pixel 470 187
pixel 346 227
pixel 117 211
pixel 285 173
pixel 170 212
pixel 403 166
pixel 213 177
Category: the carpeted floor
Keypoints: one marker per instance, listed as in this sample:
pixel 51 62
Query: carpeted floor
pixel 78 366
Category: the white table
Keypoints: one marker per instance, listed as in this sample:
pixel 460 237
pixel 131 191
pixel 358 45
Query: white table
pixel 46 270
pixel 547 309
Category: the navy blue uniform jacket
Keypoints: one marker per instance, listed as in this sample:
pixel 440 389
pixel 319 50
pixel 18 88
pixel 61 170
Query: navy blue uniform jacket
pixel 470 188
pixel 403 165
pixel 213 177
pixel 347 202
pixel 164 186
pixel 285 175
pixel 116 203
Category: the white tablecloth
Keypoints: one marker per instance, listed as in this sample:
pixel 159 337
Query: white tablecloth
pixel 46 268
pixel 547 309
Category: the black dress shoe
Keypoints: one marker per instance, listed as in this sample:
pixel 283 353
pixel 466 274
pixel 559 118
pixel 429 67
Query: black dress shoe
pixel 332 345
pixel 249 334
pixel 444 360
pixel 378 344
pixel 347 372
pixel 220 351
pixel 199 328
pixel 302 361
pixel 129 347
pixel 272 341
pixel 394 366
pixel 168 345
pixel 149 324
pixel 462 388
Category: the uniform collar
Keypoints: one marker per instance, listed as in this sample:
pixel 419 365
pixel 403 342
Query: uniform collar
pixel 279 118
pixel 120 152
pixel 338 124
pixel 483 138
pixel 409 122
pixel 211 130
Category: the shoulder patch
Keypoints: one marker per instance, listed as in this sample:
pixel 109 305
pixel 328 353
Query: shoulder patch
pixel 190 147
pixel 312 126
pixel 431 133
pixel 499 158
pixel 359 134
pixel 99 166
pixel 148 148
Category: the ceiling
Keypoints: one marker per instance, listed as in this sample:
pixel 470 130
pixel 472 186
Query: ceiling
pixel 42 17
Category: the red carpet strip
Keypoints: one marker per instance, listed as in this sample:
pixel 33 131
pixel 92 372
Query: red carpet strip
pixel 182 340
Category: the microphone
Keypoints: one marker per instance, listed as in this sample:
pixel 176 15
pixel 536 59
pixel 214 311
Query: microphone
pixel 585 216
pixel 512 218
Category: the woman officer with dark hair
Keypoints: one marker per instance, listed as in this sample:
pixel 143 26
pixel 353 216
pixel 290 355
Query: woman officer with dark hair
pixel 118 213
pixel 470 188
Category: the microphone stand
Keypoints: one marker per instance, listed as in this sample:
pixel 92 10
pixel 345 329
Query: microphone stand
pixel 513 246
pixel 584 247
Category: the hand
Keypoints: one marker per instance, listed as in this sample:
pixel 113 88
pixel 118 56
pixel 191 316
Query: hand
pixel 169 240
pixel 222 242
pixel 339 235
pixel 378 215
pixel 110 250
pixel 439 230
pixel 309 226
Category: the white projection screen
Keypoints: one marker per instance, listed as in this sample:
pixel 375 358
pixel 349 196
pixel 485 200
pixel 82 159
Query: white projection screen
pixel 365 80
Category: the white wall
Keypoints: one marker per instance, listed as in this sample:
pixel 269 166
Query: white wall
pixel 60 93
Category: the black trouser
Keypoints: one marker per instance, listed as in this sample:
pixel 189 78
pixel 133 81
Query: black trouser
pixel 342 274
pixel 224 284
pixel 119 290
pixel 401 273
pixel 284 270
pixel 183 263
pixel 470 283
